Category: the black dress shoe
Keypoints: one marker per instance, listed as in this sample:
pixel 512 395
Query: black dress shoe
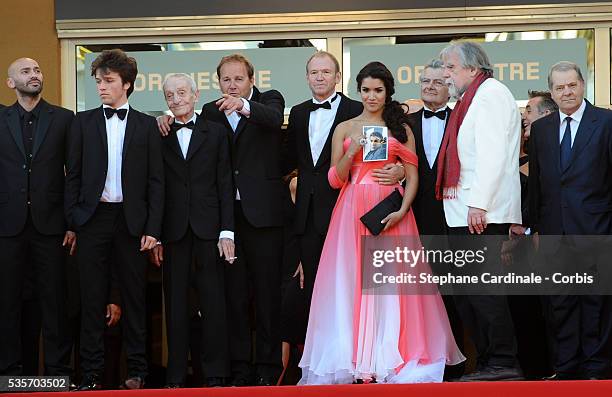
pixel 91 382
pixel 173 386
pixel 239 382
pixel 133 383
pixel 215 382
pixel 561 376
pixel 493 373
pixel 265 381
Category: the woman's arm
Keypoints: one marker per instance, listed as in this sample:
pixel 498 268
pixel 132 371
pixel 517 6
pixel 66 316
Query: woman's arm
pixel 342 160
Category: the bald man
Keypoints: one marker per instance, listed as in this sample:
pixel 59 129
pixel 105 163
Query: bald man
pixel 33 228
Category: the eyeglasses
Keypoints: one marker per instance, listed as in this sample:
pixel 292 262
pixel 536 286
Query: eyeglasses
pixel 436 82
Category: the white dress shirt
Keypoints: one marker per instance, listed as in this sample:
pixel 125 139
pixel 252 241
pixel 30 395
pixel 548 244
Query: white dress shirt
pixel 433 132
pixel 234 118
pixel 575 123
pixel 115 134
pixel 319 126
pixel 184 137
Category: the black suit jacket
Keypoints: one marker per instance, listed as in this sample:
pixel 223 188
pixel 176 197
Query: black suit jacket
pixel 46 175
pixel 578 199
pixel 428 212
pixel 198 188
pixel 142 171
pixel 256 156
pixel 313 188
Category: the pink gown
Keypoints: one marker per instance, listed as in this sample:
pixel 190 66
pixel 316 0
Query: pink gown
pixel 394 338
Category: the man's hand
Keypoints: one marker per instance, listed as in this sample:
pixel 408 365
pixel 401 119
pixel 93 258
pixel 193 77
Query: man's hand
pixel 229 104
pixel 70 241
pixel 147 243
pixel 517 230
pixel 389 174
pixel 163 123
pixel 226 248
pixel 156 255
pixel 113 314
pixel 476 220
pixel 300 271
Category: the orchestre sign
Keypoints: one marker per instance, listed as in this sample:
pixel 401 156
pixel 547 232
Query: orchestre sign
pixel 521 65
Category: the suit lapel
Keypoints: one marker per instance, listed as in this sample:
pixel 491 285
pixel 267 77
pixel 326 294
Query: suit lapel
pixel 418 136
pixel 303 129
pixel 174 144
pixel 100 120
pixel 551 137
pixel 15 128
pixel 197 138
pixel 588 125
pixel 341 115
pixel 448 113
pixel 46 112
pixel 130 129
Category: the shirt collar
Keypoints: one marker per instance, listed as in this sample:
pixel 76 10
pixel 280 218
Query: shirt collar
pixel 314 100
pixel 193 118
pixel 35 112
pixel 442 109
pixel 577 115
pixel 124 106
pixel 250 94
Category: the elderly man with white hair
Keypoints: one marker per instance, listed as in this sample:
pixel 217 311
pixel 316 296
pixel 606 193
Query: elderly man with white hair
pixel 478 179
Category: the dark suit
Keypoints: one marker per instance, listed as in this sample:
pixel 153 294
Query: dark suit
pixel 315 198
pixel 103 228
pixel 575 201
pixel 199 205
pixel 32 230
pixel 428 212
pixel 255 154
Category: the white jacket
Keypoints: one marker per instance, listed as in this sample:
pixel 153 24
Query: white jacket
pixel 488 146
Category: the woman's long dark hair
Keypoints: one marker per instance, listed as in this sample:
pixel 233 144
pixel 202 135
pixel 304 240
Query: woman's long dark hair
pixel 394 114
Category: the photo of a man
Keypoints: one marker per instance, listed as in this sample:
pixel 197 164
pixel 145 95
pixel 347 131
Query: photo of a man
pixel 376 143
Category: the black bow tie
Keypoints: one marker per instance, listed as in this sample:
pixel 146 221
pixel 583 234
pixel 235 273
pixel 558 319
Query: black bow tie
pixel 324 105
pixel 119 112
pixel 429 114
pixel 177 126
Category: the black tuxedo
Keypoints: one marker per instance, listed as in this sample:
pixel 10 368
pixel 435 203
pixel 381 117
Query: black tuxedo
pixel 315 199
pixel 32 229
pixel 256 156
pixel 103 228
pixel 575 201
pixel 199 205
pixel 428 212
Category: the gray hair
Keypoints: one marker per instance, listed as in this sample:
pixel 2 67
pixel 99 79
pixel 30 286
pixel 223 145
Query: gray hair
pixel 435 63
pixel 183 76
pixel 563 66
pixel 471 54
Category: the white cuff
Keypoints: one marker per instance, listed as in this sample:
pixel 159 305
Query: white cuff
pixel 246 108
pixel 226 234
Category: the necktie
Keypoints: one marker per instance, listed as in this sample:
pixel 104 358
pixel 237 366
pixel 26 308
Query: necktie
pixel 566 145
pixel 109 112
pixel 177 126
pixel 429 114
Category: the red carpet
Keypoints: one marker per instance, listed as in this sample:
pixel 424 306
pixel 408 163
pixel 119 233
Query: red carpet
pixel 480 389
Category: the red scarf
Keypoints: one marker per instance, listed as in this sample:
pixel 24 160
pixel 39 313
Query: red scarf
pixel 448 162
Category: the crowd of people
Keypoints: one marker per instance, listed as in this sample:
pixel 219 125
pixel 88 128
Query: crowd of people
pixel 264 223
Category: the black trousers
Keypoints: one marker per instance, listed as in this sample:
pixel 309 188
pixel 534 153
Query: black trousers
pixel 103 238
pixel 487 317
pixel 209 279
pixel 45 256
pixel 260 255
pixel 582 323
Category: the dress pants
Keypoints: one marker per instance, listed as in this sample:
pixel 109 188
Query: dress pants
pixel 208 272
pixel 487 317
pixel 260 255
pixel 105 241
pixel 45 256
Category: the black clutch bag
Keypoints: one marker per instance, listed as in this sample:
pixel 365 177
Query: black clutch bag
pixel 389 204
